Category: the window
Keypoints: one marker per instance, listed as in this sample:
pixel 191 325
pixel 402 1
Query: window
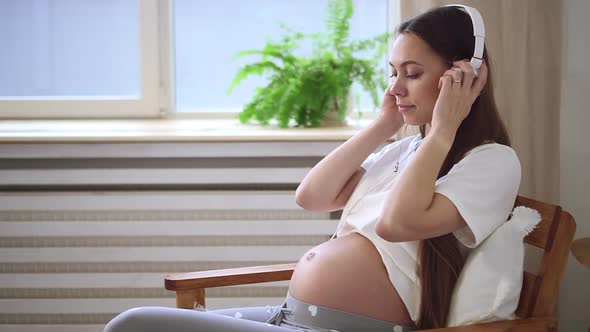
pixel 137 58
pixel 71 58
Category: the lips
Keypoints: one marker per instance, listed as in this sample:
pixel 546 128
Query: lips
pixel 404 108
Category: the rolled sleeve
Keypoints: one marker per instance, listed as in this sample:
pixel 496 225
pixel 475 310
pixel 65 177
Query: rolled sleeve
pixel 483 187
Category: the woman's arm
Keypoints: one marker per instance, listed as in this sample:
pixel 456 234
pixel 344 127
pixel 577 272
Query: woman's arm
pixel 413 211
pixel 329 184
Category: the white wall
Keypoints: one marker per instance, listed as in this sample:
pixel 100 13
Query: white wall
pixel 574 302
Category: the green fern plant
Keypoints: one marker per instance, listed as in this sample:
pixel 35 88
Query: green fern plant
pixel 301 90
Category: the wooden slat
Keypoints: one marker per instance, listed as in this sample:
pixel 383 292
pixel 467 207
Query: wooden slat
pixel 554 234
pixel 228 277
pixel 190 299
pixel 545 230
pixel 553 266
pixel 528 293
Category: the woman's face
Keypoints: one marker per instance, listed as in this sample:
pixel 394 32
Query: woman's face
pixel 416 70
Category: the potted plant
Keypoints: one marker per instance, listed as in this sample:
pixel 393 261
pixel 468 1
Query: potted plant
pixel 302 90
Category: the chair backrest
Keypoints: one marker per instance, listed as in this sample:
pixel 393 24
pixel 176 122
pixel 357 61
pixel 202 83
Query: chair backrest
pixel 554 235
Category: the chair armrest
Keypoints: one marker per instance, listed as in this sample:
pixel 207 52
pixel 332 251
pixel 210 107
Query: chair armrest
pixel 539 324
pixel 228 277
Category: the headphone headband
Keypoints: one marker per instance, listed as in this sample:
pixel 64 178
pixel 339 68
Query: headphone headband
pixel 479 33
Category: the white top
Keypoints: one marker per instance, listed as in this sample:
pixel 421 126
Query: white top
pixel 483 187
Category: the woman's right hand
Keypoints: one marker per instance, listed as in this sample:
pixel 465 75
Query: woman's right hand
pixel 390 119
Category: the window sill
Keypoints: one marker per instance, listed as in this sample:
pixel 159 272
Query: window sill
pixel 170 130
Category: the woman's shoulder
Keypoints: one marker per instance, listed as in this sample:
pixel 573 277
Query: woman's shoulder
pixel 493 148
pixel 489 165
pixel 496 154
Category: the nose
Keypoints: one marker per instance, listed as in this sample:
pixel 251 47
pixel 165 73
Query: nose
pixel 397 88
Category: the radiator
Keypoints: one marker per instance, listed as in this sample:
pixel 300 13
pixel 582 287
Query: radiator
pixel 82 240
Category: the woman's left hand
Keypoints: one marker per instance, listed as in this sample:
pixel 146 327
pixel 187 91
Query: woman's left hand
pixel 459 87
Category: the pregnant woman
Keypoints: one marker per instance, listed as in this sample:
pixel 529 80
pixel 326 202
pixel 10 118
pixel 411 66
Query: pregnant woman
pixel 411 212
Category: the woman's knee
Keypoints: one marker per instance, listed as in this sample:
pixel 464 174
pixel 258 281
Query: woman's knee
pixel 136 319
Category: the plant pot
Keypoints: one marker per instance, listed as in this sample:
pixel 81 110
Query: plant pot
pixel 330 118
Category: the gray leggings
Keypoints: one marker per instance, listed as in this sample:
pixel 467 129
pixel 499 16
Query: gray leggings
pixel 293 314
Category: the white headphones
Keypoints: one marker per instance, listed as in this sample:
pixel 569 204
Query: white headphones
pixel 479 33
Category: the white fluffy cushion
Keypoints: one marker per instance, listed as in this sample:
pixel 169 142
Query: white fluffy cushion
pixel 489 286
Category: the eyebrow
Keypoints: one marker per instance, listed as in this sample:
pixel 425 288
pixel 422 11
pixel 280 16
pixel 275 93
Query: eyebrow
pixel 405 63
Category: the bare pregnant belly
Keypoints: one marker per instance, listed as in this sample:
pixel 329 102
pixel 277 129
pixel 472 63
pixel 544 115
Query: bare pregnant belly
pixel 347 274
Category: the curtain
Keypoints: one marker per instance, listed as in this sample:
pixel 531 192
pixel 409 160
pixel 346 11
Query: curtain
pixel 523 39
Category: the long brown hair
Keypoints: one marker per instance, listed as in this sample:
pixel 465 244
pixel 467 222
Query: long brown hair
pixel 449 32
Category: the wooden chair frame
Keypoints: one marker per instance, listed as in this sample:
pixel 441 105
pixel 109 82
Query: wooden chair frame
pixel 538 297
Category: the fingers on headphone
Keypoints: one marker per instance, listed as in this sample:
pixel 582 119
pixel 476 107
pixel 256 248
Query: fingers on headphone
pixel 446 81
pixel 457 76
pixel 468 73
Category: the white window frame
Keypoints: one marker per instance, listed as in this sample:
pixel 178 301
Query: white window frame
pixel 157 99
pixel 75 107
